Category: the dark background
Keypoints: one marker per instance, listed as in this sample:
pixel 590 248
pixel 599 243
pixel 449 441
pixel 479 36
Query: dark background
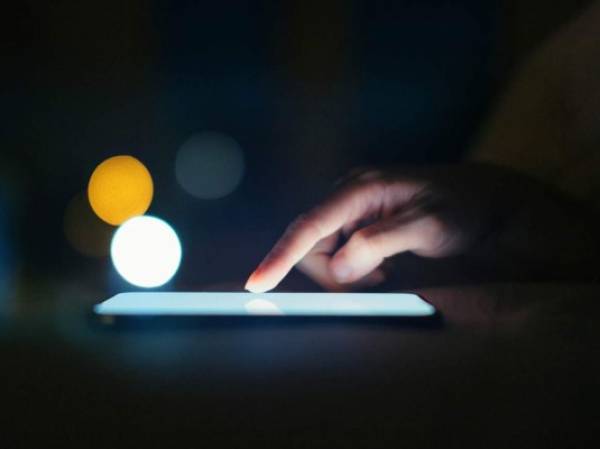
pixel 308 89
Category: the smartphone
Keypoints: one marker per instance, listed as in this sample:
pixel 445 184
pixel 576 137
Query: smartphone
pixel 179 308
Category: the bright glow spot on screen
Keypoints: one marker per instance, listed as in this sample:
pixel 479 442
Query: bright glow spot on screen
pixel 209 165
pixel 120 188
pixel 146 251
pixel 261 306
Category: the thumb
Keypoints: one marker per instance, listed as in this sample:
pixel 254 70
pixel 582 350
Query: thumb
pixel 368 247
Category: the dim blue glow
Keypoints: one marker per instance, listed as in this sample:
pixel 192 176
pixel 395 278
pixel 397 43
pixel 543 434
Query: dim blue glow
pixel 146 251
pixel 209 165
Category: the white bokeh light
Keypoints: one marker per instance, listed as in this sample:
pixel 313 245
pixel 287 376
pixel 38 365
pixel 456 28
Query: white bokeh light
pixel 146 251
pixel 209 165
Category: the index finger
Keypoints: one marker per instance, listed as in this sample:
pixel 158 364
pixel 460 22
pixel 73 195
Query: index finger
pixel 307 230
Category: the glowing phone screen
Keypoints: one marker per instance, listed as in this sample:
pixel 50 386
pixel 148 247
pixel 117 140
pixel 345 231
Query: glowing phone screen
pixel 240 304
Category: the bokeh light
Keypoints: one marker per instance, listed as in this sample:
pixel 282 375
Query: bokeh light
pixel 209 165
pixel 85 232
pixel 146 251
pixel 120 188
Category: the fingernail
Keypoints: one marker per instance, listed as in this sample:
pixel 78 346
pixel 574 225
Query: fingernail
pixel 342 272
pixel 250 282
pixel 254 287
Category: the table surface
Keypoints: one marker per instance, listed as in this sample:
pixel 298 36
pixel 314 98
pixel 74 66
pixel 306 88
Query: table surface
pixel 515 365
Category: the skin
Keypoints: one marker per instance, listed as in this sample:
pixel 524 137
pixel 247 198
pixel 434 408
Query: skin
pixel 509 221
pixel 506 223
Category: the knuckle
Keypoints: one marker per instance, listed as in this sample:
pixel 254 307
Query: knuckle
pixel 375 184
pixel 371 182
pixel 363 189
pixel 436 225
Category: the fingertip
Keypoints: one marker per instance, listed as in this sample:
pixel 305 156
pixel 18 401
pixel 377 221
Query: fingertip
pixel 257 284
pixel 341 270
pixel 250 281
pixel 251 284
pixel 252 288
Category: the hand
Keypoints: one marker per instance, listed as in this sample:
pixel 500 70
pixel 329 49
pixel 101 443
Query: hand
pixel 342 243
